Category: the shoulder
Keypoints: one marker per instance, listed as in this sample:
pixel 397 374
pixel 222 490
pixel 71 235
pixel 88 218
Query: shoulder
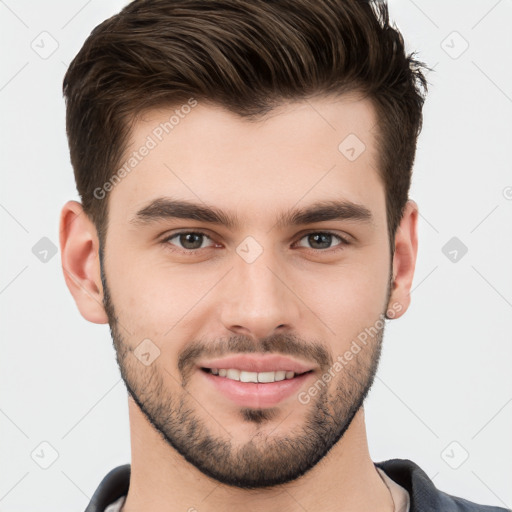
pixel 424 496
pixel 114 485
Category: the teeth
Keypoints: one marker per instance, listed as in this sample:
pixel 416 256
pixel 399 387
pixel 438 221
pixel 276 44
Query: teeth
pixel 267 377
pixel 280 375
pixel 243 376
pixel 233 374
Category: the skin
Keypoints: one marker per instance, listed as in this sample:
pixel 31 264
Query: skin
pixel 296 298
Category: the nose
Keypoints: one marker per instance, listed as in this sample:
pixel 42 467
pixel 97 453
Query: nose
pixel 259 299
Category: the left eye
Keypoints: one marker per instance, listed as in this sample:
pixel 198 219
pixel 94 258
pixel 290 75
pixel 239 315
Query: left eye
pixel 323 239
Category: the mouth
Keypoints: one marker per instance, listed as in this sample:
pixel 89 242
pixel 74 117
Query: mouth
pixel 255 377
pixel 255 389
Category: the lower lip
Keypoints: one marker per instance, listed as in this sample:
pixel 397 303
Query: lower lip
pixel 252 394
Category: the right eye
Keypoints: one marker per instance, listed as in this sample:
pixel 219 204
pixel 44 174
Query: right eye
pixel 190 241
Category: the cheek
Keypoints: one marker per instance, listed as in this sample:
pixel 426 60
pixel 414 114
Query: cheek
pixel 348 299
pixel 154 300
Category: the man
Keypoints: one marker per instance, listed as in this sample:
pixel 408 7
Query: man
pixel 245 229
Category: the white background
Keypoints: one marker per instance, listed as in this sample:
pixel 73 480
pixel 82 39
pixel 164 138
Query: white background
pixel 445 373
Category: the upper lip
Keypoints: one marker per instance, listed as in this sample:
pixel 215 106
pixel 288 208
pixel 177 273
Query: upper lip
pixel 253 363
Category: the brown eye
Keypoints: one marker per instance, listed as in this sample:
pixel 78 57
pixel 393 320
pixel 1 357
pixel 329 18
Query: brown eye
pixel 322 240
pixel 188 240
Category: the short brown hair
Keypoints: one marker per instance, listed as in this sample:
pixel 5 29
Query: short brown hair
pixel 247 56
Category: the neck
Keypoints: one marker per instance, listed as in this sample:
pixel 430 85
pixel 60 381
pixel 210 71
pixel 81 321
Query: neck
pixel 163 481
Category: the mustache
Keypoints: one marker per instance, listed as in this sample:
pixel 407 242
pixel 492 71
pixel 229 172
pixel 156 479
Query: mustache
pixel 286 344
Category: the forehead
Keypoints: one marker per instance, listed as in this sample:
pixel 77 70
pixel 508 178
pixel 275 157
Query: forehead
pixel 302 152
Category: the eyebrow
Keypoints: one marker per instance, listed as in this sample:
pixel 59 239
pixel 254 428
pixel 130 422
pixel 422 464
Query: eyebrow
pixel 164 208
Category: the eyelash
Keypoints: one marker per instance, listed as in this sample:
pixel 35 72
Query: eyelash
pixel 337 248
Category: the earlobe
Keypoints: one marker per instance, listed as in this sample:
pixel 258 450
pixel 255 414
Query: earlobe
pixel 80 262
pixel 404 261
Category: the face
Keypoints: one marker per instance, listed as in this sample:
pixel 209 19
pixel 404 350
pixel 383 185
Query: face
pixel 285 253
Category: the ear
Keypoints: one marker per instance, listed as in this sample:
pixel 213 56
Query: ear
pixel 80 262
pixel 404 261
